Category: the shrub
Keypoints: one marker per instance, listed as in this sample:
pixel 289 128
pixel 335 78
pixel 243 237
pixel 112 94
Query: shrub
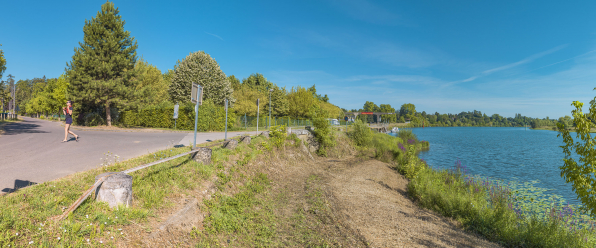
pixel 407 134
pixel 211 117
pixel 324 135
pixel 361 133
pixel 277 135
pixel 323 132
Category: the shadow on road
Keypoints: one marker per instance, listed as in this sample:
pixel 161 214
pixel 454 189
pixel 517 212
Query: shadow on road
pixel 17 185
pixel 21 127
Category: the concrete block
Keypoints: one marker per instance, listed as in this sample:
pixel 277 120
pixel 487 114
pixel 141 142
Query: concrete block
pixel 203 155
pixel 245 139
pixel 231 144
pixel 115 190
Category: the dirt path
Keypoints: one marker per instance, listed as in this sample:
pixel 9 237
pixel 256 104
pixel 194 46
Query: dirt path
pixel 371 198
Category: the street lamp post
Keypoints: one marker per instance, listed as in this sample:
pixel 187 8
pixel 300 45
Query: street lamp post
pixel 270 90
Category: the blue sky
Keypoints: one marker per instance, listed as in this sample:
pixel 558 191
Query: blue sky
pixel 532 58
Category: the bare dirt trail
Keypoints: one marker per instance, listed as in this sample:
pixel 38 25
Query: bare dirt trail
pixel 372 199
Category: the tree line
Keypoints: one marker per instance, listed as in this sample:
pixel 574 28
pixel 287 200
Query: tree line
pixel 407 113
pixel 105 78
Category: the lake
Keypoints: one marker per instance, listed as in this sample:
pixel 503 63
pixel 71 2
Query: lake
pixel 502 153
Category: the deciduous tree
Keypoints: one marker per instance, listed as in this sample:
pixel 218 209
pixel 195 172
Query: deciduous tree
pixel 581 173
pixel 407 109
pixel 150 84
pixel 199 67
pixel 2 62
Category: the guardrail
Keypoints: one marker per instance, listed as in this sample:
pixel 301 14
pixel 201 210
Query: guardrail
pixel 99 181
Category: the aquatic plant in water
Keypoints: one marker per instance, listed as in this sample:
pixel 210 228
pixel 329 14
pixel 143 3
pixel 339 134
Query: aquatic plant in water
pixel 527 200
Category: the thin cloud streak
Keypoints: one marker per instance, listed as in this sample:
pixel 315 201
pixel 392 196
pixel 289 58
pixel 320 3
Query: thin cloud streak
pixel 524 61
pixel 563 60
pixel 214 35
pixel 509 66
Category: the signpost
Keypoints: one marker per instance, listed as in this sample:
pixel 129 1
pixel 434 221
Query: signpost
pixel 196 97
pixel 176 114
pixel 257 116
pixel 226 135
pixel 346 119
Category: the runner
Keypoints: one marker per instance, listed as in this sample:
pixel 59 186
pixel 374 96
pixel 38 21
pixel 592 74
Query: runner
pixel 68 112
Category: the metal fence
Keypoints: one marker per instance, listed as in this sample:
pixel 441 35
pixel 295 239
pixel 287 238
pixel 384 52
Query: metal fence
pixel 247 122
pixel 250 122
pixel 7 116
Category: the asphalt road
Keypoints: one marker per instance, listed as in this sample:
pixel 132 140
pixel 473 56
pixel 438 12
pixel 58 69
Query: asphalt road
pixel 31 151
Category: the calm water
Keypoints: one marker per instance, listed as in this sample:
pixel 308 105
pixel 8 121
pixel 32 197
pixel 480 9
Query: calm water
pixel 501 153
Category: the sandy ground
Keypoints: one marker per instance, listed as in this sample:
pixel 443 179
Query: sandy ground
pixel 372 197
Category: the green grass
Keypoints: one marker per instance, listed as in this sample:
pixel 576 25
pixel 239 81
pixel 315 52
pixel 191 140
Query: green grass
pixel 24 214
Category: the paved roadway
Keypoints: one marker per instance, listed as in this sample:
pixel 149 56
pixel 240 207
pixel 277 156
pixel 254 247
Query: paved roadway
pixel 31 151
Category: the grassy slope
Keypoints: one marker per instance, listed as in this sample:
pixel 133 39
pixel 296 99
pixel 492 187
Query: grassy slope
pixel 258 205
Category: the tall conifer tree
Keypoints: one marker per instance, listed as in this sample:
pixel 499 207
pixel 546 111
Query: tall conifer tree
pixel 101 69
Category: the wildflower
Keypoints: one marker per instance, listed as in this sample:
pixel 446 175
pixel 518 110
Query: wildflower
pixel 58 238
pixel 87 240
pixel 121 233
pixel 17 234
pixel 87 216
pixel 30 242
pixel 101 242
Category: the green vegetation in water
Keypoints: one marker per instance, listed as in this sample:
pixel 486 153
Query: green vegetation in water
pixel 513 215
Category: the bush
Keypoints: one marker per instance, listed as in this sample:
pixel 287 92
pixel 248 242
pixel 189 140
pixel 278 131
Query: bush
pixel 407 135
pixel 277 135
pixel 361 133
pixel 211 117
pixel 324 135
